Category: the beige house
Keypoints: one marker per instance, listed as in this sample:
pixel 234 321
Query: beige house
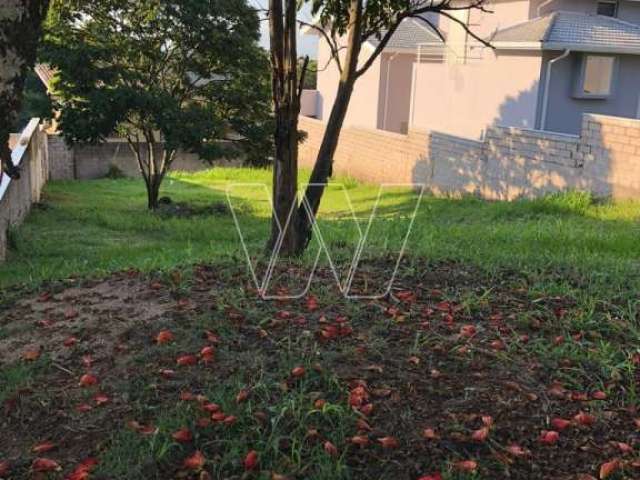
pixel 552 61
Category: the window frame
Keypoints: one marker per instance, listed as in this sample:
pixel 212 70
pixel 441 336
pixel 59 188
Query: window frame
pixel 616 7
pixel 579 85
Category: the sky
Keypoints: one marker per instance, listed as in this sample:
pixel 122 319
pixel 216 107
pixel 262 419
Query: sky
pixel 307 44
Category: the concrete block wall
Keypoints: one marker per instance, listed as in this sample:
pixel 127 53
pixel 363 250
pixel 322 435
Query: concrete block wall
pixel 17 196
pixel 61 159
pixel 508 163
pixel 611 150
pixel 85 162
pixel 369 155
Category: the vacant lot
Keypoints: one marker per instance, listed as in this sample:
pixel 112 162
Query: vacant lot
pixel 134 345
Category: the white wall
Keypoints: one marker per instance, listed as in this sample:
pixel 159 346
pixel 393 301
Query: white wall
pixel 365 102
pixel 465 99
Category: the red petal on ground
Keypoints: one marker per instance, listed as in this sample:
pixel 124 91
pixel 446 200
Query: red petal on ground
pixel 608 468
pixel 167 373
pixel 468 331
pixel 330 448
pixel 70 341
pixel 466 466
pixel 242 395
pixel 82 471
pixel 251 460
pixel 298 372
pixel 207 354
pixel 230 420
pixel 183 435
pixel 4 468
pixel 44 447
pixel 312 303
pixel 480 435
pixel 87 361
pixel 218 417
pixel 84 407
pixel 557 390
pixel 203 422
pixel 560 423
pixel 211 337
pixel 187 396
pixel 430 434
pixel 101 399
pixel 433 476
pixel 361 440
pixel 585 419
pixel 599 395
pixel 389 442
pixel 165 336
pixel 549 437
pixel 517 451
pixel 88 380
pixel 624 447
pixel 45 465
pixel 367 409
pixel 211 407
pixel 579 396
pixel 31 355
pixel 70 313
pixel 186 360
pixel 195 461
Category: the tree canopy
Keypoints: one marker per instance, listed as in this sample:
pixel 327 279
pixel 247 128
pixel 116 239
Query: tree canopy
pixel 181 75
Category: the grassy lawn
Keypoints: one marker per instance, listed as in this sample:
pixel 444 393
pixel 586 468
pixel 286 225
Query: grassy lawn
pixel 96 227
pixel 133 345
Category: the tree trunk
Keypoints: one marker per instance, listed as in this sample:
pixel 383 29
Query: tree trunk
pixel 153 192
pixel 283 30
pixel 20 31
pixel 323 168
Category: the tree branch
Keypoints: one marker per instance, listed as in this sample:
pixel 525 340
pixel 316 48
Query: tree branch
pixel 333 44
pixel 303 73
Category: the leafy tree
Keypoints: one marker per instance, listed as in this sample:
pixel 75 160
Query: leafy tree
pixel 20 31
pixel 165 75
pixel 345 25
pixel 35 100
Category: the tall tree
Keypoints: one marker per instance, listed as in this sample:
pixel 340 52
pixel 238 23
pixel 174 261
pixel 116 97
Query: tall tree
pixel 345 25
pixel 164 74
pixel 20 31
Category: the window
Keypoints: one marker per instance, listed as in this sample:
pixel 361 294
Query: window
pixel 596 79
pixel 608 8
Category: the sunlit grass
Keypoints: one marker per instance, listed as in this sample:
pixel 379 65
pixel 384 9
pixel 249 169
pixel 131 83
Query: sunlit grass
pixel 95 227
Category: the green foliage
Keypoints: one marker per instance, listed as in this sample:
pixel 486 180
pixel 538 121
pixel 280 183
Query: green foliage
pixel 35 101
pixel 190 71
pixel 310 80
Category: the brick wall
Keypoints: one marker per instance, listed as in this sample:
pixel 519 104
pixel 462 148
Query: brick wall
pixel 509 163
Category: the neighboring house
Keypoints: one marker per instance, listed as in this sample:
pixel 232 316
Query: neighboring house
pixel 552 61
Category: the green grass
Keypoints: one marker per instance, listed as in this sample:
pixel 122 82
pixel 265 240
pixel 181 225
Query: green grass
pixel 95 227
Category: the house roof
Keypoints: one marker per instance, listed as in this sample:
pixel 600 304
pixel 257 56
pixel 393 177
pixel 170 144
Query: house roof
pixel 572 30
pixel 410 33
